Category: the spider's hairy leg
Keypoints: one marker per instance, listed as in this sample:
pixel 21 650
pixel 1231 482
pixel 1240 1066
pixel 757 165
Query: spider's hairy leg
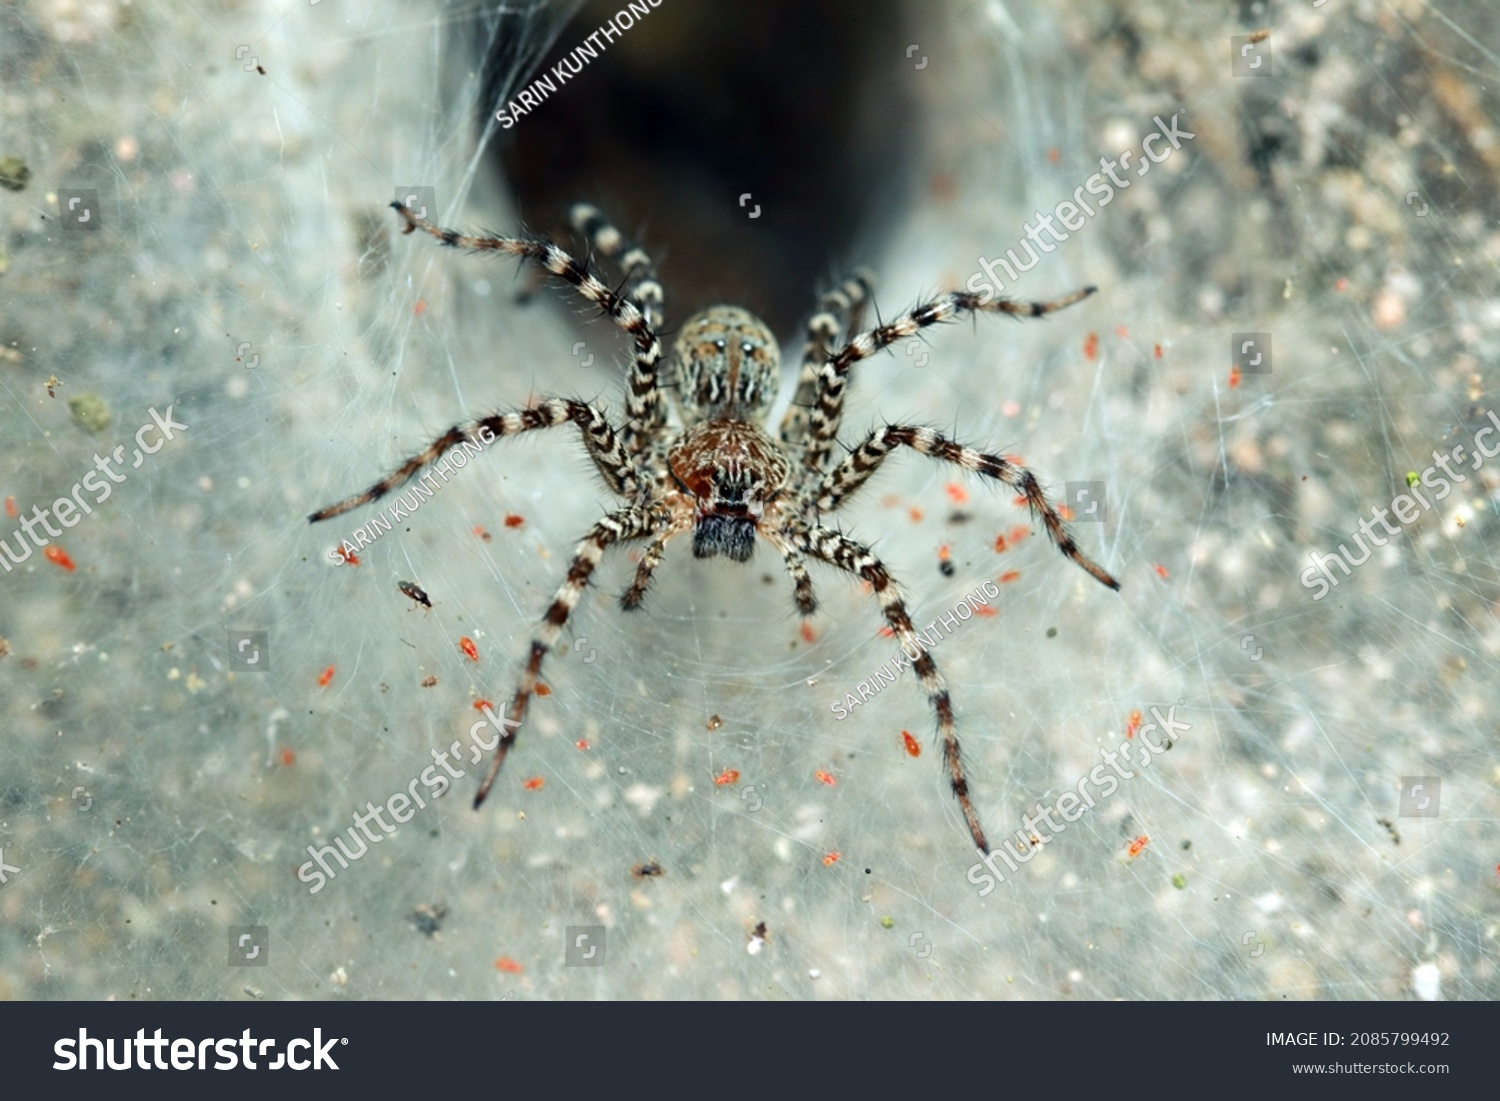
pixel 645 570
pixel 598 437
pixel 643 400
pixel 840 308
pixel 641 284
pixel 828 410
pixel 840 483
pixel 854 558
pixel 623 525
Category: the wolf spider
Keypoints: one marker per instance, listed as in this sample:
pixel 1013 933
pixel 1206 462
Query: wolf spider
pixel 718 473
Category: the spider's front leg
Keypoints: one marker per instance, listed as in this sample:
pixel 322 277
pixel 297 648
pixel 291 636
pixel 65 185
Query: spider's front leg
pixel 636 522
pixel 854 558
pixel 643 400
pixel 832 376
pixel 840 483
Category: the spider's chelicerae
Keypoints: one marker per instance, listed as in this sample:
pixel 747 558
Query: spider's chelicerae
pixel 718 473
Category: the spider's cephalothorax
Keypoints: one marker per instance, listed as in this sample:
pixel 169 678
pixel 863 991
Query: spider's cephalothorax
pixel 721 475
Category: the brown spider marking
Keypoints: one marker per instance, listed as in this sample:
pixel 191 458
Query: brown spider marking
pixel 718 472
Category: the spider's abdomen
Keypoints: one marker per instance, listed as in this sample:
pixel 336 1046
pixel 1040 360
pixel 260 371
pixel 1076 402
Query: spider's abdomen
pixel 726 364
pixel 733 469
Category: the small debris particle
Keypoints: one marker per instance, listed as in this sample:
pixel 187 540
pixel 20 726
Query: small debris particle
pixel 514 521
pixel 831 859
pixel 325 678
pixel 715 723
pixel 508 965
pixel 826 778
pixel 728 776
pixel 14 172
pixel 429 681
pixel 534 784
pixel 90 411
pixel 428 918
pixel 648 869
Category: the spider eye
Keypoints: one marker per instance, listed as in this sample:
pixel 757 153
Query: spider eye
pixel 721 344
pixel 747 348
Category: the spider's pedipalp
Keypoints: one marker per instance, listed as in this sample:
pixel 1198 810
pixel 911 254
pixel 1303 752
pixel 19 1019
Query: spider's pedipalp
pixel 620 526
pixel 643 404
pixel 598 437
pixel 796 568
pixel 645 570
pixel 854 558
pixel 732 471
pixel 828 410
pixel 641 284
pixel 840 483
pixel 840 308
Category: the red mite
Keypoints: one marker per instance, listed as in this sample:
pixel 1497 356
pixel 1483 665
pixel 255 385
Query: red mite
pixel 59 557
pixel 466 644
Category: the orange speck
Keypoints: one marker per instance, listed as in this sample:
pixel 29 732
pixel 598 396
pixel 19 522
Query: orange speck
pixel 1161 571
pixel 1234 376
pixel 944 553
pixel 886 632
pixel 728 776
pixel 1053 155
pixel 59 557
pixel 1012 457
pixel 1342 285
pixel 826 778
pixel 10 508
pixel 483 705
pixel 1122 332
pixel 542 689
pixel 1065 512
pixel 1008 576
pixel 1091 346
pixel 534 784
pixel 420 308
pixel 466 644
pixel 986 611
pixel 957 493
pixel 1136 846
pixel 831 859
pixel 582 743
pixel 1133 724
pixel 508 965
pixel 890 500
pixel 288 757
pixel 479 531
pixel 1156 348
pixel 325 678
pixel 1000 544
pixel 913 747
pixel 514 521
pixel 1019 500
pixel 349 559
pixel 1019 532
pixel 808 634
pixel 915 514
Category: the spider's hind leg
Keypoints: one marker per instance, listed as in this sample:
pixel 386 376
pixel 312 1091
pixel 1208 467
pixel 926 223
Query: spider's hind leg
pixel 840 310
pixel 641 284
